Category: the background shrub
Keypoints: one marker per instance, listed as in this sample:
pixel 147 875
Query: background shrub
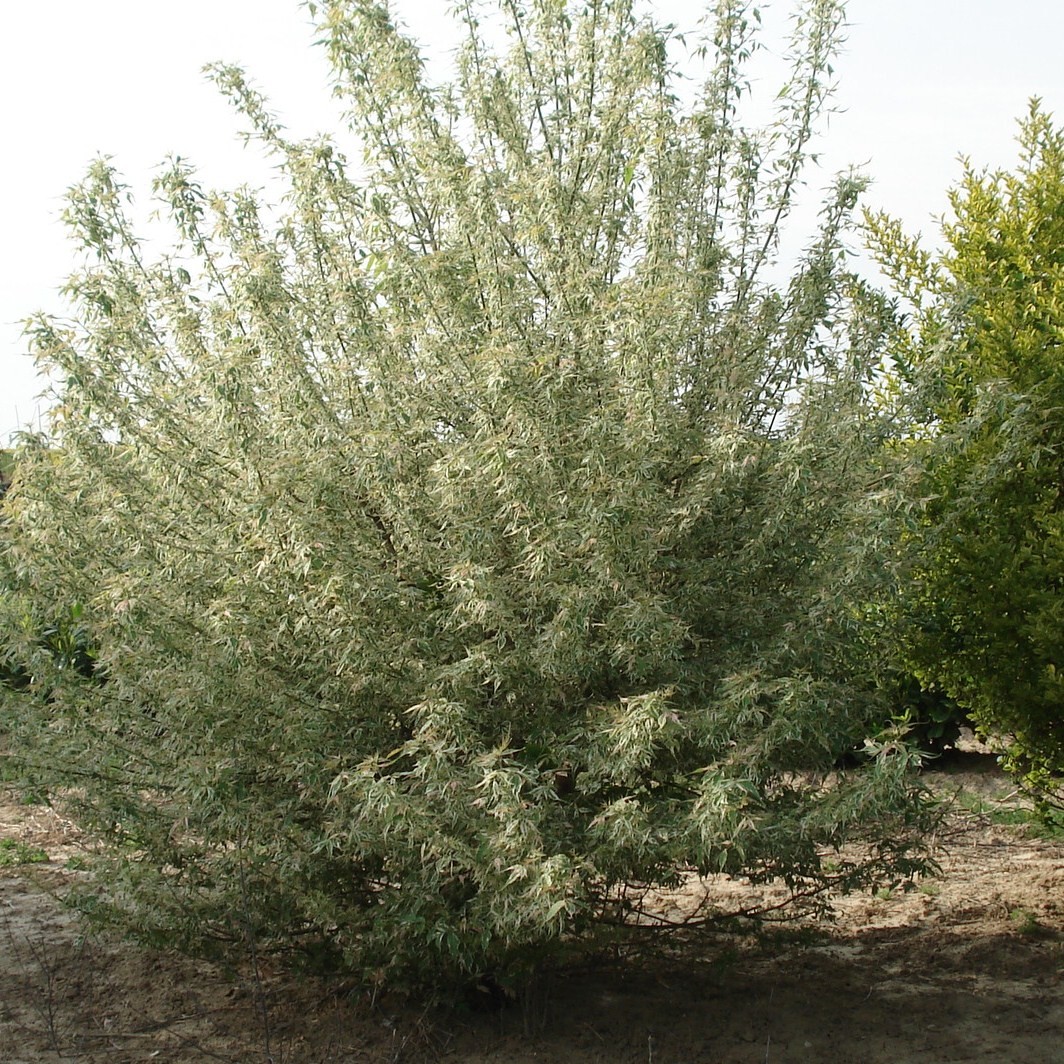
pixel 982 371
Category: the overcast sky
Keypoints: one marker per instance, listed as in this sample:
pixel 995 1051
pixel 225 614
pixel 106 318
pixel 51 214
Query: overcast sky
pixel 921 82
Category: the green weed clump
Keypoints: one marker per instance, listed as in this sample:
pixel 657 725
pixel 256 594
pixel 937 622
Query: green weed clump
pixel 14 852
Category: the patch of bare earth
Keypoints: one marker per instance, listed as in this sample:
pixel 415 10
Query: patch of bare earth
pixel 965 967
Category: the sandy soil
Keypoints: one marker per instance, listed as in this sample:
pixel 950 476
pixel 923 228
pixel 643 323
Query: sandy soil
pixel 966 967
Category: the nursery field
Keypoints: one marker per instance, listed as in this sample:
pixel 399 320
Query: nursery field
pixel 964 967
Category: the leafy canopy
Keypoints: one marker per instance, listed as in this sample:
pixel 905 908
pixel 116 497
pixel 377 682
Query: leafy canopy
pixel 982 363
pixel 477 534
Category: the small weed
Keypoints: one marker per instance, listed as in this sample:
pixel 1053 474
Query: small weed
pixel 9 772
pixel 976 804
pixel 884 893
pixel 14 852
pixel 1004 812
pixel 1049 825
pixel 1026 922
pixel 932 890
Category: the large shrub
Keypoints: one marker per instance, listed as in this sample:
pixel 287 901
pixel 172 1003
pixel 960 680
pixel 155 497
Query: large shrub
pixel 983 374
pixel 479 534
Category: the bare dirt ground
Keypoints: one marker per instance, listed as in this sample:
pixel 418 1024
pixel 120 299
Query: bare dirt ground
pixel 965 967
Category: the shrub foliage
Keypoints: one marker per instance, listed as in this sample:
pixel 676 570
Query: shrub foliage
pixel 478 532
pixel 981 365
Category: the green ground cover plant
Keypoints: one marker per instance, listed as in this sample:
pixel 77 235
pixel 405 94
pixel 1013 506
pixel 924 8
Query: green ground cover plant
pixel 15 852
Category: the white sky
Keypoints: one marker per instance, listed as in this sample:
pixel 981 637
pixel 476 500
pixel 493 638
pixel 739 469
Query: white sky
pixel 921 82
